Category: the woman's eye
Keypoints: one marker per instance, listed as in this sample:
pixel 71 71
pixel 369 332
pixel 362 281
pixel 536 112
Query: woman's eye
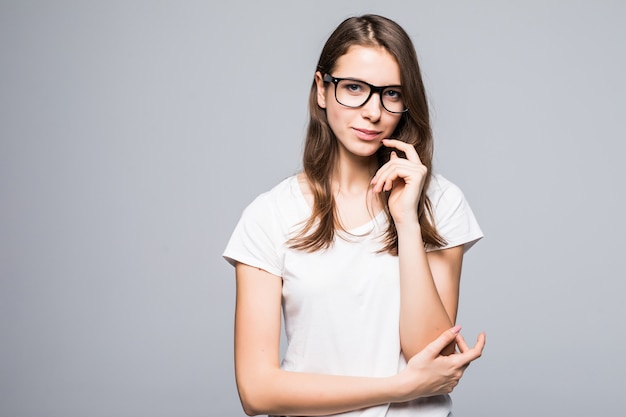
pixel 354 88
pixel 393 94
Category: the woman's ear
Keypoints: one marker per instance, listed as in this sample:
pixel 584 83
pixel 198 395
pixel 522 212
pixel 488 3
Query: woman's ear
pixel 321 90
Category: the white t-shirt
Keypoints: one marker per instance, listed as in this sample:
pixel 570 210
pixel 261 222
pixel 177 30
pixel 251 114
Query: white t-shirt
pixel 342 305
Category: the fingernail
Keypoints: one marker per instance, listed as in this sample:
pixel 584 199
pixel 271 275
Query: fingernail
pixel 456 329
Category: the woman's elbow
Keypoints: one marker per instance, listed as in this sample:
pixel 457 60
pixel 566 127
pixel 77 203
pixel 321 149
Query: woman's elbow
pixel 249 411
pixel 249 407
pixel 253 400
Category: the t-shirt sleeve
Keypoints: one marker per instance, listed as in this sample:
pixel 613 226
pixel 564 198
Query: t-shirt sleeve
pixel 453 215
pixel 256 238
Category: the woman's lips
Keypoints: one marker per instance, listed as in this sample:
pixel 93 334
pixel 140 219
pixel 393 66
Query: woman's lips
pixel 365 134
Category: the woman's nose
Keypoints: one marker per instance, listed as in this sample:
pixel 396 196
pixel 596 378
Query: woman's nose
pixel 372 108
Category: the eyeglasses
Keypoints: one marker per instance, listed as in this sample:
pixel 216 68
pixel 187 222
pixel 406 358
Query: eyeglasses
pixel 355 93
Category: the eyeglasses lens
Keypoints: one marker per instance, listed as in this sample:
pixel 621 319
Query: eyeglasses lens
pixel 354 94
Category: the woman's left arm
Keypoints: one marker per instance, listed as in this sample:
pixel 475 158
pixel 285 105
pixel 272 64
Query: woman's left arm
pixel 429 282
pixel 445 267
pixel 429 290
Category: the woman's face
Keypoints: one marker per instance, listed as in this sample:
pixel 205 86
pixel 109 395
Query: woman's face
pixel 360 130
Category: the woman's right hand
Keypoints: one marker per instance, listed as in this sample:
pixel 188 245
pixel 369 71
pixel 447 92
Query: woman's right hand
pixel 431 373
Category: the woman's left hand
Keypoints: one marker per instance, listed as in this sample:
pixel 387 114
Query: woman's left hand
pixel 404 178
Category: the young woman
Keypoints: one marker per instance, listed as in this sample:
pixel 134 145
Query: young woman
pixel 362 250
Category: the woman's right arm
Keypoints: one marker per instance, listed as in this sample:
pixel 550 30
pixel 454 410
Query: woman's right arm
pixel 264 388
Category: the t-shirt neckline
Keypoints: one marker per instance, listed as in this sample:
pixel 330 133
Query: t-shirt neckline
pixel 365 228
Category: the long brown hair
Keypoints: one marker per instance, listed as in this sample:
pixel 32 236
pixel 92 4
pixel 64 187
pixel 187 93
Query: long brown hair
pixel 321 150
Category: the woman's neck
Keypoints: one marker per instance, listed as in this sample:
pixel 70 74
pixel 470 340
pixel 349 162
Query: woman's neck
pixel 356 205
pixel 353 175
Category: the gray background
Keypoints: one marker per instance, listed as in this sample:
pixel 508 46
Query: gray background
pixel 133 133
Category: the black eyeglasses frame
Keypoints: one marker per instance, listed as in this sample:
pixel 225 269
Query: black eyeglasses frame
pixel 373 89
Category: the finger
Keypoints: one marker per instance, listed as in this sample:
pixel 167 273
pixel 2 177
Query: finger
pixel 476 351
pixel 436 346
pixel 383 180
pixel 389 182
pixel 390 174
pixel 461 343
pixel 480 343
pixel 397 167
pixel 408 149
pixel 463 347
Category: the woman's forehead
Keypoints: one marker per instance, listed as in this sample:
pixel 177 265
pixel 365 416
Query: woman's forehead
pixel 373 64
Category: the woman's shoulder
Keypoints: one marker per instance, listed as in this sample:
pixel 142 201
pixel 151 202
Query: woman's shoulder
pixel 263 228
pixel 283 191
pixel 283 198
pixel 442 189
pixel 452 214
